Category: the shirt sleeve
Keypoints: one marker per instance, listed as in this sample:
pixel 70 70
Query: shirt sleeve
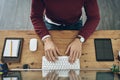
pixel 37 11
pixel 93 18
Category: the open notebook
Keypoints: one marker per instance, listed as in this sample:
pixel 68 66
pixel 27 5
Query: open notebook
pixel 12 50
pixel 61 66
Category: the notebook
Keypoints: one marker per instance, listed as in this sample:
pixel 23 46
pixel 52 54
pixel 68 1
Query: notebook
pixel 11 44
pixel 12 50
pixel 61 66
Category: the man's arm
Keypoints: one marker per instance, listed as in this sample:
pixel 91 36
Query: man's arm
pixel 37 11
pixel 75 48
pixel 51 51
pixel 93 18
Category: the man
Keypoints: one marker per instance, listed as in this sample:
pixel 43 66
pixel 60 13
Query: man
pixel 64 15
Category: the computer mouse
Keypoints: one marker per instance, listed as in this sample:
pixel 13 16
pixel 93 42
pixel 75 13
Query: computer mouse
pixel 33 44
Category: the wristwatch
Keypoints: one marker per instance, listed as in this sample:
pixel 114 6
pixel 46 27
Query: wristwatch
pixel 82 39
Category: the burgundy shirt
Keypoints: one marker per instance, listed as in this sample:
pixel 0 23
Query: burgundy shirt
pixel 65 12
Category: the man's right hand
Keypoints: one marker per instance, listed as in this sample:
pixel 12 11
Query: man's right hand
pixel 51 50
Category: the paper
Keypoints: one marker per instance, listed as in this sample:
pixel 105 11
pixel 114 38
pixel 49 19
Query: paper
pixel 10 78
pixel 11 48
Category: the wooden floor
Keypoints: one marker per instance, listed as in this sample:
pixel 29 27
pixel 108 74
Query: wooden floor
pixel 14 14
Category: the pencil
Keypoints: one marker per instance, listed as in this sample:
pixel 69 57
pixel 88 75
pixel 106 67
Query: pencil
pixel 11 48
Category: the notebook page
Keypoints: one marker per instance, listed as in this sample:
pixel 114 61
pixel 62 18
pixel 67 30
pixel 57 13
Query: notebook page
pixel 15 48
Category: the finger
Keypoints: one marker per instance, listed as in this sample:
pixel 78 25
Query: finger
pixel 49 56
pixel 68 49
pixel 52 56
pixel 46 55
pixel 75 56
pixel 80 52
pixel 79 55
pixel 71 55
pixel 58 52
pixel 55 54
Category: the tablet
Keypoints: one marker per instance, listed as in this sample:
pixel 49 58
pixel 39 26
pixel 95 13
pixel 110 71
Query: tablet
pixel 103 50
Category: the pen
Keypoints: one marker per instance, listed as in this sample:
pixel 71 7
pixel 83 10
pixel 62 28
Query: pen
pixel 11 48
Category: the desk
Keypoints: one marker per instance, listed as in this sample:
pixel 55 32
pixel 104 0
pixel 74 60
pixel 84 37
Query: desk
pixel 62 39
pixel 88 59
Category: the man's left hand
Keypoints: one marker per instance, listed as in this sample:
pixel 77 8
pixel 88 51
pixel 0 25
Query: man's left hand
pixel 74 50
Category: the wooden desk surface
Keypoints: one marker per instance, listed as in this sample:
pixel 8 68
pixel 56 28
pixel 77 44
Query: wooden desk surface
pixel 62 39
